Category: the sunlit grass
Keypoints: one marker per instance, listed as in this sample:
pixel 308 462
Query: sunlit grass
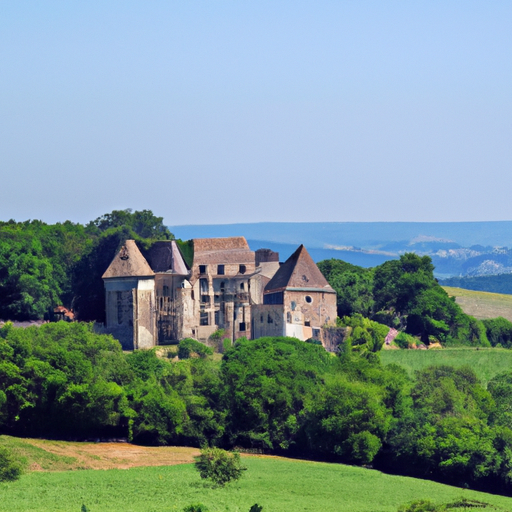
pixel 276 484
pixel 486 362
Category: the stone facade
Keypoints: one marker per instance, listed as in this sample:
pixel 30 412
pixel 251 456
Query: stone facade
pixel 159 298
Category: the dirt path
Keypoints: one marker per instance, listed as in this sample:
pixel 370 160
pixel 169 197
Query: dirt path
pixel 115 455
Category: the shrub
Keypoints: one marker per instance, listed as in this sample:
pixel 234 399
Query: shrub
pixel 10 468
pixel 219 466
pixel 404 340
pixel 197 507
pixel 256 508
pixel 189 345
pixel 421 506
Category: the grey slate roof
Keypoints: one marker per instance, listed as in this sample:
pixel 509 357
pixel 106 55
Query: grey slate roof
pixel 165 256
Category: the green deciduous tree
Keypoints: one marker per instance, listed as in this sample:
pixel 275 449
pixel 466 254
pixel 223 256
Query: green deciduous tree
pixel 348 420
pixel 353 286
pixel 499 331
pixel 265 384
pixel 143 223
pixel 219 466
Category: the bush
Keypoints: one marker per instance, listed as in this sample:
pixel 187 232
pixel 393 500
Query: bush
pixel 226 344
pixel 10 468
pixel 421 506
pixel 198 507
pixel 189 345
pixel 219 466
pixel 404 340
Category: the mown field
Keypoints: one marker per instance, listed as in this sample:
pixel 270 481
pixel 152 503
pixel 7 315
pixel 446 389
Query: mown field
pixel 482 305
pixel 277 484
pixel 486 362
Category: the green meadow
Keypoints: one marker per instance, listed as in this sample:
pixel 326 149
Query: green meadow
pixel 486 362
pixel 276 484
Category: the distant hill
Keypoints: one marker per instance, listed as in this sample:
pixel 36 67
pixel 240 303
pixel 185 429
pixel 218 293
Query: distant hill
pixel 456 248
pixel 361 258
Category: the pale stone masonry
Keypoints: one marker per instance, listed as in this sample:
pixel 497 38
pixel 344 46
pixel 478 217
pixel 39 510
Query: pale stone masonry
pixel 159 298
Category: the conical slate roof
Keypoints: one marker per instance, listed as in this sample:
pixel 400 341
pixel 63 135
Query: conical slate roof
pixel 298 271
pixel 128 262
pixel 165 256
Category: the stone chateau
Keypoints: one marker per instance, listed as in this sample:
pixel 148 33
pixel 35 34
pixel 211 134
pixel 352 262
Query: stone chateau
pixel 160 298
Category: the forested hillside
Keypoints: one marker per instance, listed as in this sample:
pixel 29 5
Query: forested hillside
pixel 501 283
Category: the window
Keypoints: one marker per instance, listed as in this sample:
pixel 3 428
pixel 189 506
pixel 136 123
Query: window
pixel 289 317
pixel 293 305
pixel 220 270
pixel 203 286
pixel 308 299
pixel 261 319
pixel 273 298
pixel 165 291
pixel 217 317
pixel 222 286
pixel 242 269
pixel 205 299
pixel 307 323
pixel 202 269
pixel 242 326
pixel 316 333
pixel 204 318
pixel 269 320
pixel 242 286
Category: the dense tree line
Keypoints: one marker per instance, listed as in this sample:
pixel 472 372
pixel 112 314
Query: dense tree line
pixel 500 283
pixel 277 395
pixel 42 265
pixel 404 294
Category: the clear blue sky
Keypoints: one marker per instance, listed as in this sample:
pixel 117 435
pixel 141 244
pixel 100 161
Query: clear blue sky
pixel 237 111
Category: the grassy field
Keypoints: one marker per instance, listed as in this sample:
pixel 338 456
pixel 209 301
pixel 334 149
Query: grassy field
pixel 487 362
pixel 482 305
pixel 277 484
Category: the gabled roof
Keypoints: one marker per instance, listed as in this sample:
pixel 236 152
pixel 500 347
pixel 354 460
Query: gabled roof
pixel 299 271
pixel 222 250
pixel 128 262
pixel 166 256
